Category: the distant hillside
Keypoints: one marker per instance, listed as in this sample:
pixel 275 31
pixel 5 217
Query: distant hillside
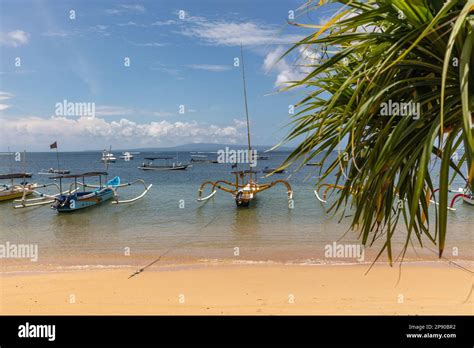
pixel 206 147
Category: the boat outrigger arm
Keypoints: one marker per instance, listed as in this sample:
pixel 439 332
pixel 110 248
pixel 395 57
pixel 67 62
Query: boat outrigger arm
pixel 242 192
pixel 110 188
pixel 460 193
pixel 43 198
pixel 116 187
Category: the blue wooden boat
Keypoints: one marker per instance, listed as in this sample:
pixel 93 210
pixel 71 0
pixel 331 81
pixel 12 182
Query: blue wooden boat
pixel 84 199
pixel 82 195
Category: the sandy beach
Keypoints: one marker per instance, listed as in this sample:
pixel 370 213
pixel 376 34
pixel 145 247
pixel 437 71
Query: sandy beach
pixel 241 289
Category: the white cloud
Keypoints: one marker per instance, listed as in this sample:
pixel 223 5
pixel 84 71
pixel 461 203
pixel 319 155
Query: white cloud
pixel 4 96
pixel 122 9
pixel 365 28
pixel 224 33
pixel 132 24
pixel 107 110
pixel 209 67
pixel 57 33
pixel 14 38
pixel 148 44
pixel 110 110
pixel 92 129
pixel 286 72
pixel 167 22
pixel 99 29
pixel 167 69
pixel 95 29
pixel 240 123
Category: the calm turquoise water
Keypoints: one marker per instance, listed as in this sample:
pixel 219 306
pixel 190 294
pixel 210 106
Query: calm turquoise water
pixel 268 230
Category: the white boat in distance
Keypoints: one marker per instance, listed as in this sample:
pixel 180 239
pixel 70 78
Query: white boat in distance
pixel 127 156
pixel 148 164
pixel 108 157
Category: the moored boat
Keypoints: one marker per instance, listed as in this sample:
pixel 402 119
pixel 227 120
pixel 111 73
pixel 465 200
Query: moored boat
pixel 80 194
pixel 54 171
pixel 127 156
pixel 16 190
pixel 108 157
pixel 148 164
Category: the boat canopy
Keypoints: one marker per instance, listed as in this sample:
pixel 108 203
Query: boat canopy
pixel 84 175
pixel 15 176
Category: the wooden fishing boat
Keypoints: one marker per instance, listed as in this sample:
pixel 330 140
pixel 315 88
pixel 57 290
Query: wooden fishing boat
pixel 245 187
pixel 202 159
pixel 244 190
pixel 16 190
pixel 54 171
pixel 149 165
pixel 82 195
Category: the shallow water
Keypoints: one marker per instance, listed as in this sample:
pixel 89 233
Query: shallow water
pixel 170 220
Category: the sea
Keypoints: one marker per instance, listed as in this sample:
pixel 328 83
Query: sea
pixel 171 225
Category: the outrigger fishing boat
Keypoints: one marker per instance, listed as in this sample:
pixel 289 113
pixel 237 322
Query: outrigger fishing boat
pixel 149 165
pixel 202 159
pixel 54 171
pixel 245 188
pixel 16 190
pixel 81 195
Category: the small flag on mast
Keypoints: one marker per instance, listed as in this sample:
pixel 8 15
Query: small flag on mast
pixel 54 145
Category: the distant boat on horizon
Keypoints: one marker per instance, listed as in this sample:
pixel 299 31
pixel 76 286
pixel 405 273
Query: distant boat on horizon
pixel 54 171
pixel 127 156
pixel 149 165
pixel 202 159
pixel 108 157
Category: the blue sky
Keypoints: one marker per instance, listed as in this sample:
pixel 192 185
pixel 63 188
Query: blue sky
pixel 174 61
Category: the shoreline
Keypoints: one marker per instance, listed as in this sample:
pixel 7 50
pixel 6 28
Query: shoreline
pixel 241 289
pixel 106 262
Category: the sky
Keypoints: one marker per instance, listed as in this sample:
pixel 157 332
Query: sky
pixel 154 73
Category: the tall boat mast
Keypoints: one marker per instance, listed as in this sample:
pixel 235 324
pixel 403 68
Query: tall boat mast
pixel 242 191
pixel 246 109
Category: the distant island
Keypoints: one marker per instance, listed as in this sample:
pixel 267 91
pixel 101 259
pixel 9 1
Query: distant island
pixel 200 147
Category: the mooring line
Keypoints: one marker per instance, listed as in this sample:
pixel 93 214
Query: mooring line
pixel 181 243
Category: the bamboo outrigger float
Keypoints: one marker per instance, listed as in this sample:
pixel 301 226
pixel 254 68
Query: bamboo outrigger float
pixel 245 188
pixel 77 197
